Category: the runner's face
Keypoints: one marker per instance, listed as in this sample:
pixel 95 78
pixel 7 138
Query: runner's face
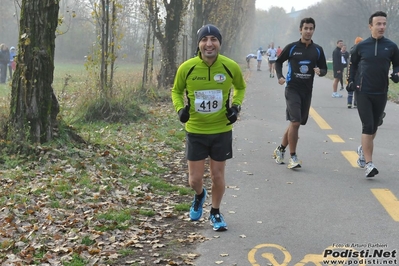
pixel 307 31
pixel 209 46
pixel 378 27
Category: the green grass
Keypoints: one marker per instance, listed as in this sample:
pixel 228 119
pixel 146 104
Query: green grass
pixel 183 207
pixel 5 94
pixel 114 219
pixel 157 184
pixel 76 261
pixel 87 241
pixel 148 213
pixel 92 186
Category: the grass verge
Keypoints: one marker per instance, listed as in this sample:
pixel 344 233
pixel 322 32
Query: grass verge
pixel 118 197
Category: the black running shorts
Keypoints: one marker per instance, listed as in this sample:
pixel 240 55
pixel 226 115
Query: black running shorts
pixel 217 146
pixel 338 75
pixel 298 105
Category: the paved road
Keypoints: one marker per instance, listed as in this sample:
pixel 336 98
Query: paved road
pixel 278 216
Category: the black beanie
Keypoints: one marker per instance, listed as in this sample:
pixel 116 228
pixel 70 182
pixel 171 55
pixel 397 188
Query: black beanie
pixel 209 29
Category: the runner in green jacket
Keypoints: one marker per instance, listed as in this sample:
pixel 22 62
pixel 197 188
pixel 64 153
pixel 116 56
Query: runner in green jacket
pixel 201 95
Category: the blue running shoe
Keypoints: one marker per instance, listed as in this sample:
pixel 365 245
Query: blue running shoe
pixel 218 223
pixel 196 207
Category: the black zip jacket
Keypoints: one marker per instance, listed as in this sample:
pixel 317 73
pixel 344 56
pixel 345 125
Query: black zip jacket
pixel 301 61
pixel 370 63
pixel 337 61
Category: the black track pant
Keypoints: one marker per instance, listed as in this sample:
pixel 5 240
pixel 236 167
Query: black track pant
pixel 370 108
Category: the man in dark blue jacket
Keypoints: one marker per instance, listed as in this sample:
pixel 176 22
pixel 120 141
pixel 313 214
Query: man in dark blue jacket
pixel 370 64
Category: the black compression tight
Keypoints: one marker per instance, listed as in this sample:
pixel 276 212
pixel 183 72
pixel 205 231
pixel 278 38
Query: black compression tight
pixel 370 108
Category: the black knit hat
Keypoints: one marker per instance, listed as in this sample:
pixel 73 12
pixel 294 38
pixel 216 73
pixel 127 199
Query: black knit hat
pixel 209 29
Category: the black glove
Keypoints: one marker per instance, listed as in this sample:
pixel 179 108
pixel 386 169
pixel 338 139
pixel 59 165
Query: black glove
pixel 184 114
pixel 350 87
pixel 232 114
pixel 394 77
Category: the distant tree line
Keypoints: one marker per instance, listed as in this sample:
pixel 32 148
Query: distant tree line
pixel 244 28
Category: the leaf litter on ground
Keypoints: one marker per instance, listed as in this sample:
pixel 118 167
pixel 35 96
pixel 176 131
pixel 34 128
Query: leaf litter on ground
pixel 99 203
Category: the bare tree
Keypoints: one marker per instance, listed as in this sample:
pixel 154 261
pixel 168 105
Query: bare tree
pixel 104 53
pixel 234 18
pixel 167 33
pixel 198 21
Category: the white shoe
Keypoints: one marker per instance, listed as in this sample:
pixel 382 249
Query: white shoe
pixel 294 162
pixel 336 95
pixel 278 155
pixel 361 162
pixel 371 170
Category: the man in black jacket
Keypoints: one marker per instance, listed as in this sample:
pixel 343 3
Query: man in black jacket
pixel 370 64
pixel 337 68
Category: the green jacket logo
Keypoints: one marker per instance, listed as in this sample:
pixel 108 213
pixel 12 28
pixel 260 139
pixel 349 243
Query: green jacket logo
pixel 219 78
pixel 199 78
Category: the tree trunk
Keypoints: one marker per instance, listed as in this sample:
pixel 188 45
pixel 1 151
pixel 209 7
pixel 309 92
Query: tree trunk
pixel 147 52
pixel 34 107
pixel 175 10
pixel 198 22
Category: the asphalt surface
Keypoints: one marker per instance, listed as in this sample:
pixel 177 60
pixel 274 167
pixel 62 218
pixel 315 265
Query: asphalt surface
pixel 279 216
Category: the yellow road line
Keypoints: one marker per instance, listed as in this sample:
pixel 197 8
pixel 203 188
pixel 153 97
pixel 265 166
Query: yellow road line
pixel 336 138
pixel 351 156
pixel 388 201
pixel 317 118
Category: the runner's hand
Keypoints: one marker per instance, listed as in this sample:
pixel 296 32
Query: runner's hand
pixel 232 114
pixel 350 87
pixel 184 114
pixel 394 77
